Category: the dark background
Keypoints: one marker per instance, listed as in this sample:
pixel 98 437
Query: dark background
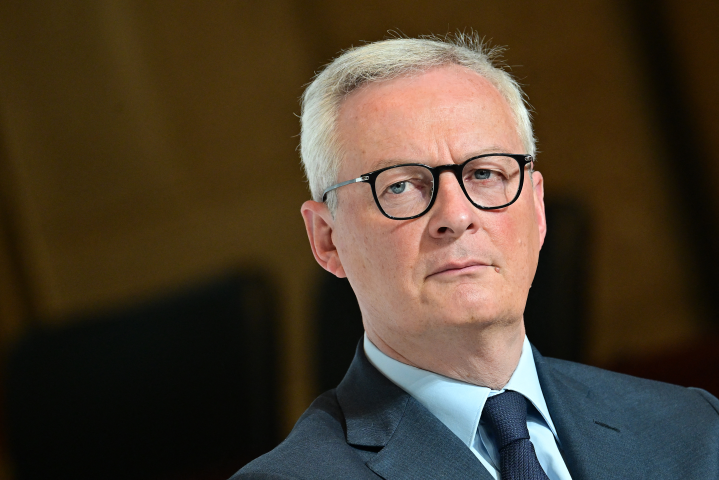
pixel 160 309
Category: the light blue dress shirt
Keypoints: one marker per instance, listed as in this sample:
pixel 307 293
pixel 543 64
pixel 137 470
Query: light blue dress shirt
pixel 459 406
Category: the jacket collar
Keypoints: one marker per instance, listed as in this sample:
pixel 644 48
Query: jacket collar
pixel 411 442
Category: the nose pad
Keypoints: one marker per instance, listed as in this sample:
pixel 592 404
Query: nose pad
pixel 451 185
pixel 452 212
pixel 456 172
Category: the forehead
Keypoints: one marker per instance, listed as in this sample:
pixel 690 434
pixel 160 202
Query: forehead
pixel 443 115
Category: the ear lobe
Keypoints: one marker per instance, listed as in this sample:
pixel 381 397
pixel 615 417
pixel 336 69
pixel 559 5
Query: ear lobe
pixel 320 226
pixel 538 182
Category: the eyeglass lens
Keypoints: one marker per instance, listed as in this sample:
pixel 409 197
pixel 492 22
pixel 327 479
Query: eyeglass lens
pixel 406 190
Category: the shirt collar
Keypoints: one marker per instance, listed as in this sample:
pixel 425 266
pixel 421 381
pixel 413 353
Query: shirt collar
pixel 459 404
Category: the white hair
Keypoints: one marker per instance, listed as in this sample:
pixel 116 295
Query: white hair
pixel 319 146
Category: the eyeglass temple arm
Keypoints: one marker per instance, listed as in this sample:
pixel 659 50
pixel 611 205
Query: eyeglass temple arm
pixel 363 178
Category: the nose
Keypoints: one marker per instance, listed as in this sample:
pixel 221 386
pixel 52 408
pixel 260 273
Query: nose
pixel 452 214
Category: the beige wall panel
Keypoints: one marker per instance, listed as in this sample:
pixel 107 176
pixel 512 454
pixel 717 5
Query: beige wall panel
pixel 154 143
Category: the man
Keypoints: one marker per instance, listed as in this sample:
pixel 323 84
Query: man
pixel 420 159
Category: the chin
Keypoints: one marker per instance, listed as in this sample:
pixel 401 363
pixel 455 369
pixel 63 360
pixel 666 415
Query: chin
pixel 471 304
pixel 479 317
pixel 479 309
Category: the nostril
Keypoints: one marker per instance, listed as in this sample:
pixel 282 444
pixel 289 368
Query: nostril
pixel 442 229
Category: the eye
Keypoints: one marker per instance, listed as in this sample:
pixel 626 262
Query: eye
pixel 482 174
pixel 398 187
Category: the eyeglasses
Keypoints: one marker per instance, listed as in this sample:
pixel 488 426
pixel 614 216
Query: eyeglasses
pixel 406 191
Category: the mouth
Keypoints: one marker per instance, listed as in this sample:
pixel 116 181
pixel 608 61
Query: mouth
pixel 460 268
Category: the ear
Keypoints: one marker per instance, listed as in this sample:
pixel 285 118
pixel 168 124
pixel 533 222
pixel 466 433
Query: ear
pixel 320 227
pixel 538 187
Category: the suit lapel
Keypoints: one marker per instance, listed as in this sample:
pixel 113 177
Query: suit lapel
pixel 423 447
pixel 594 440
pixel 411 442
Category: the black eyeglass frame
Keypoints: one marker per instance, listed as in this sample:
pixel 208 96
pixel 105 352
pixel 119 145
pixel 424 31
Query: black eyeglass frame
pixel 522 159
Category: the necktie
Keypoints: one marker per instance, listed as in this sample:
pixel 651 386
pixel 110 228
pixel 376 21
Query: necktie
pixel 506 414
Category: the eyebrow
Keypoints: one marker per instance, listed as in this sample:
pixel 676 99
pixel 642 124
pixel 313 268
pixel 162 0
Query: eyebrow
pixel 390 162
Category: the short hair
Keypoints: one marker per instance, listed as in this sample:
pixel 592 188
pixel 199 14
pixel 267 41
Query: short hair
pixel 384 60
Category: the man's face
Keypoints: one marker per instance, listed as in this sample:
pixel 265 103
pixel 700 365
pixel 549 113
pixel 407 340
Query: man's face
pixel 456 268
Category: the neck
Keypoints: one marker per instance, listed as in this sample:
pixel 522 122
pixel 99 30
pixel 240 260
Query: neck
pixel 486 358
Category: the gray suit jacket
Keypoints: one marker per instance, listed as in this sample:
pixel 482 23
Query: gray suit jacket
pixel 610 426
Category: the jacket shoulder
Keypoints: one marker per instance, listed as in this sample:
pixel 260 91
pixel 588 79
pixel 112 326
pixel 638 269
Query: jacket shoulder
pixel 316 448
pixel 632 392
pixel 666 431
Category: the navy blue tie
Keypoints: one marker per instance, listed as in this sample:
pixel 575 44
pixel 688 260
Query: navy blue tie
pixel 506 415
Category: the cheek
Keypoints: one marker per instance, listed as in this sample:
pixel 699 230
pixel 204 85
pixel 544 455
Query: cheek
pixel 517 239
pixel 388 255
pixel 379 259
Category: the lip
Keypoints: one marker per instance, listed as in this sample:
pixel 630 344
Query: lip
pixel 459 268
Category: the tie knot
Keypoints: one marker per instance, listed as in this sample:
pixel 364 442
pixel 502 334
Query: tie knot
pixel 506 414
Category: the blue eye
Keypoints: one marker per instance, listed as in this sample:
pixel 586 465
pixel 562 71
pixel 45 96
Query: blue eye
pixel 398 187
pixel 482 174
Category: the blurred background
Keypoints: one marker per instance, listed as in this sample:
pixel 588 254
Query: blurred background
pixel 161 315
